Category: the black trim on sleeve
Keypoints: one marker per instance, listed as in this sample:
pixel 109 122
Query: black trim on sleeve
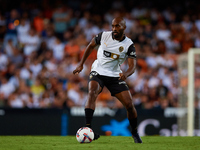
pixel 98 38
pixel 131 51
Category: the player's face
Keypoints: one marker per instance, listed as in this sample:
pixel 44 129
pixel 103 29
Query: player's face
pixel 117 29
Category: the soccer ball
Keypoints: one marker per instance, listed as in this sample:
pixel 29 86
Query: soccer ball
pixel 85 135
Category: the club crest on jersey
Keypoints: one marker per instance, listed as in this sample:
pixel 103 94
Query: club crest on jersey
pixel 121 48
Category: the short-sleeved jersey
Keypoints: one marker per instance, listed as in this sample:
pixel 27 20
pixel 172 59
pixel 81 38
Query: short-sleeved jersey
pixel 111 54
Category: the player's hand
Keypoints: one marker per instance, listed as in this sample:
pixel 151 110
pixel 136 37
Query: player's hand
pixel 122 76
pixel 78 70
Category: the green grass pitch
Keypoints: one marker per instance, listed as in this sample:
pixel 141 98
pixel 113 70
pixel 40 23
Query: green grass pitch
pixel 103 143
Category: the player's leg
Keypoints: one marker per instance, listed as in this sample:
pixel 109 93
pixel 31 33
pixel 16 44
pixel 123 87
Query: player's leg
pixel 126 99
pixel 94 90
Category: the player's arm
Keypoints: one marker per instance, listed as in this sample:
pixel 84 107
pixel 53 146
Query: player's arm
pixel 131 63
pixel 87 52
pixel 130 70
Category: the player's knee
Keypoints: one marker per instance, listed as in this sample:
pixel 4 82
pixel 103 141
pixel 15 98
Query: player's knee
pixel 93 93
pixel 129 107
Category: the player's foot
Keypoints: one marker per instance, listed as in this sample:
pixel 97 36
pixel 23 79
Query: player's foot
pixel 137 138
pixel 96 136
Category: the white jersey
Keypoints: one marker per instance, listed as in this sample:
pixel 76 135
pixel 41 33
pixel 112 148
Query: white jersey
pixel 111 54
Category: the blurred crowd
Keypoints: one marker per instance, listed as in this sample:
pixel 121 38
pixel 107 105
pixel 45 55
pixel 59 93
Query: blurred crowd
pixel 42 42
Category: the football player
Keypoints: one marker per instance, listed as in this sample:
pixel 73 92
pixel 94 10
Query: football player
pixel 114 48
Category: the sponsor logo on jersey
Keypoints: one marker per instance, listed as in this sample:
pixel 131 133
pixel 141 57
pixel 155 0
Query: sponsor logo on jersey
pixel 105 44
pixel 121 48
pixel 107 54
pixel 111 55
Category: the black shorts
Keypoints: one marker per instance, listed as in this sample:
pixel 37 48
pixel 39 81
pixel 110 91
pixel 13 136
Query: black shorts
pixel 113 84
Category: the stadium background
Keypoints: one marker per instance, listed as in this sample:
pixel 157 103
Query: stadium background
pixel 42 41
